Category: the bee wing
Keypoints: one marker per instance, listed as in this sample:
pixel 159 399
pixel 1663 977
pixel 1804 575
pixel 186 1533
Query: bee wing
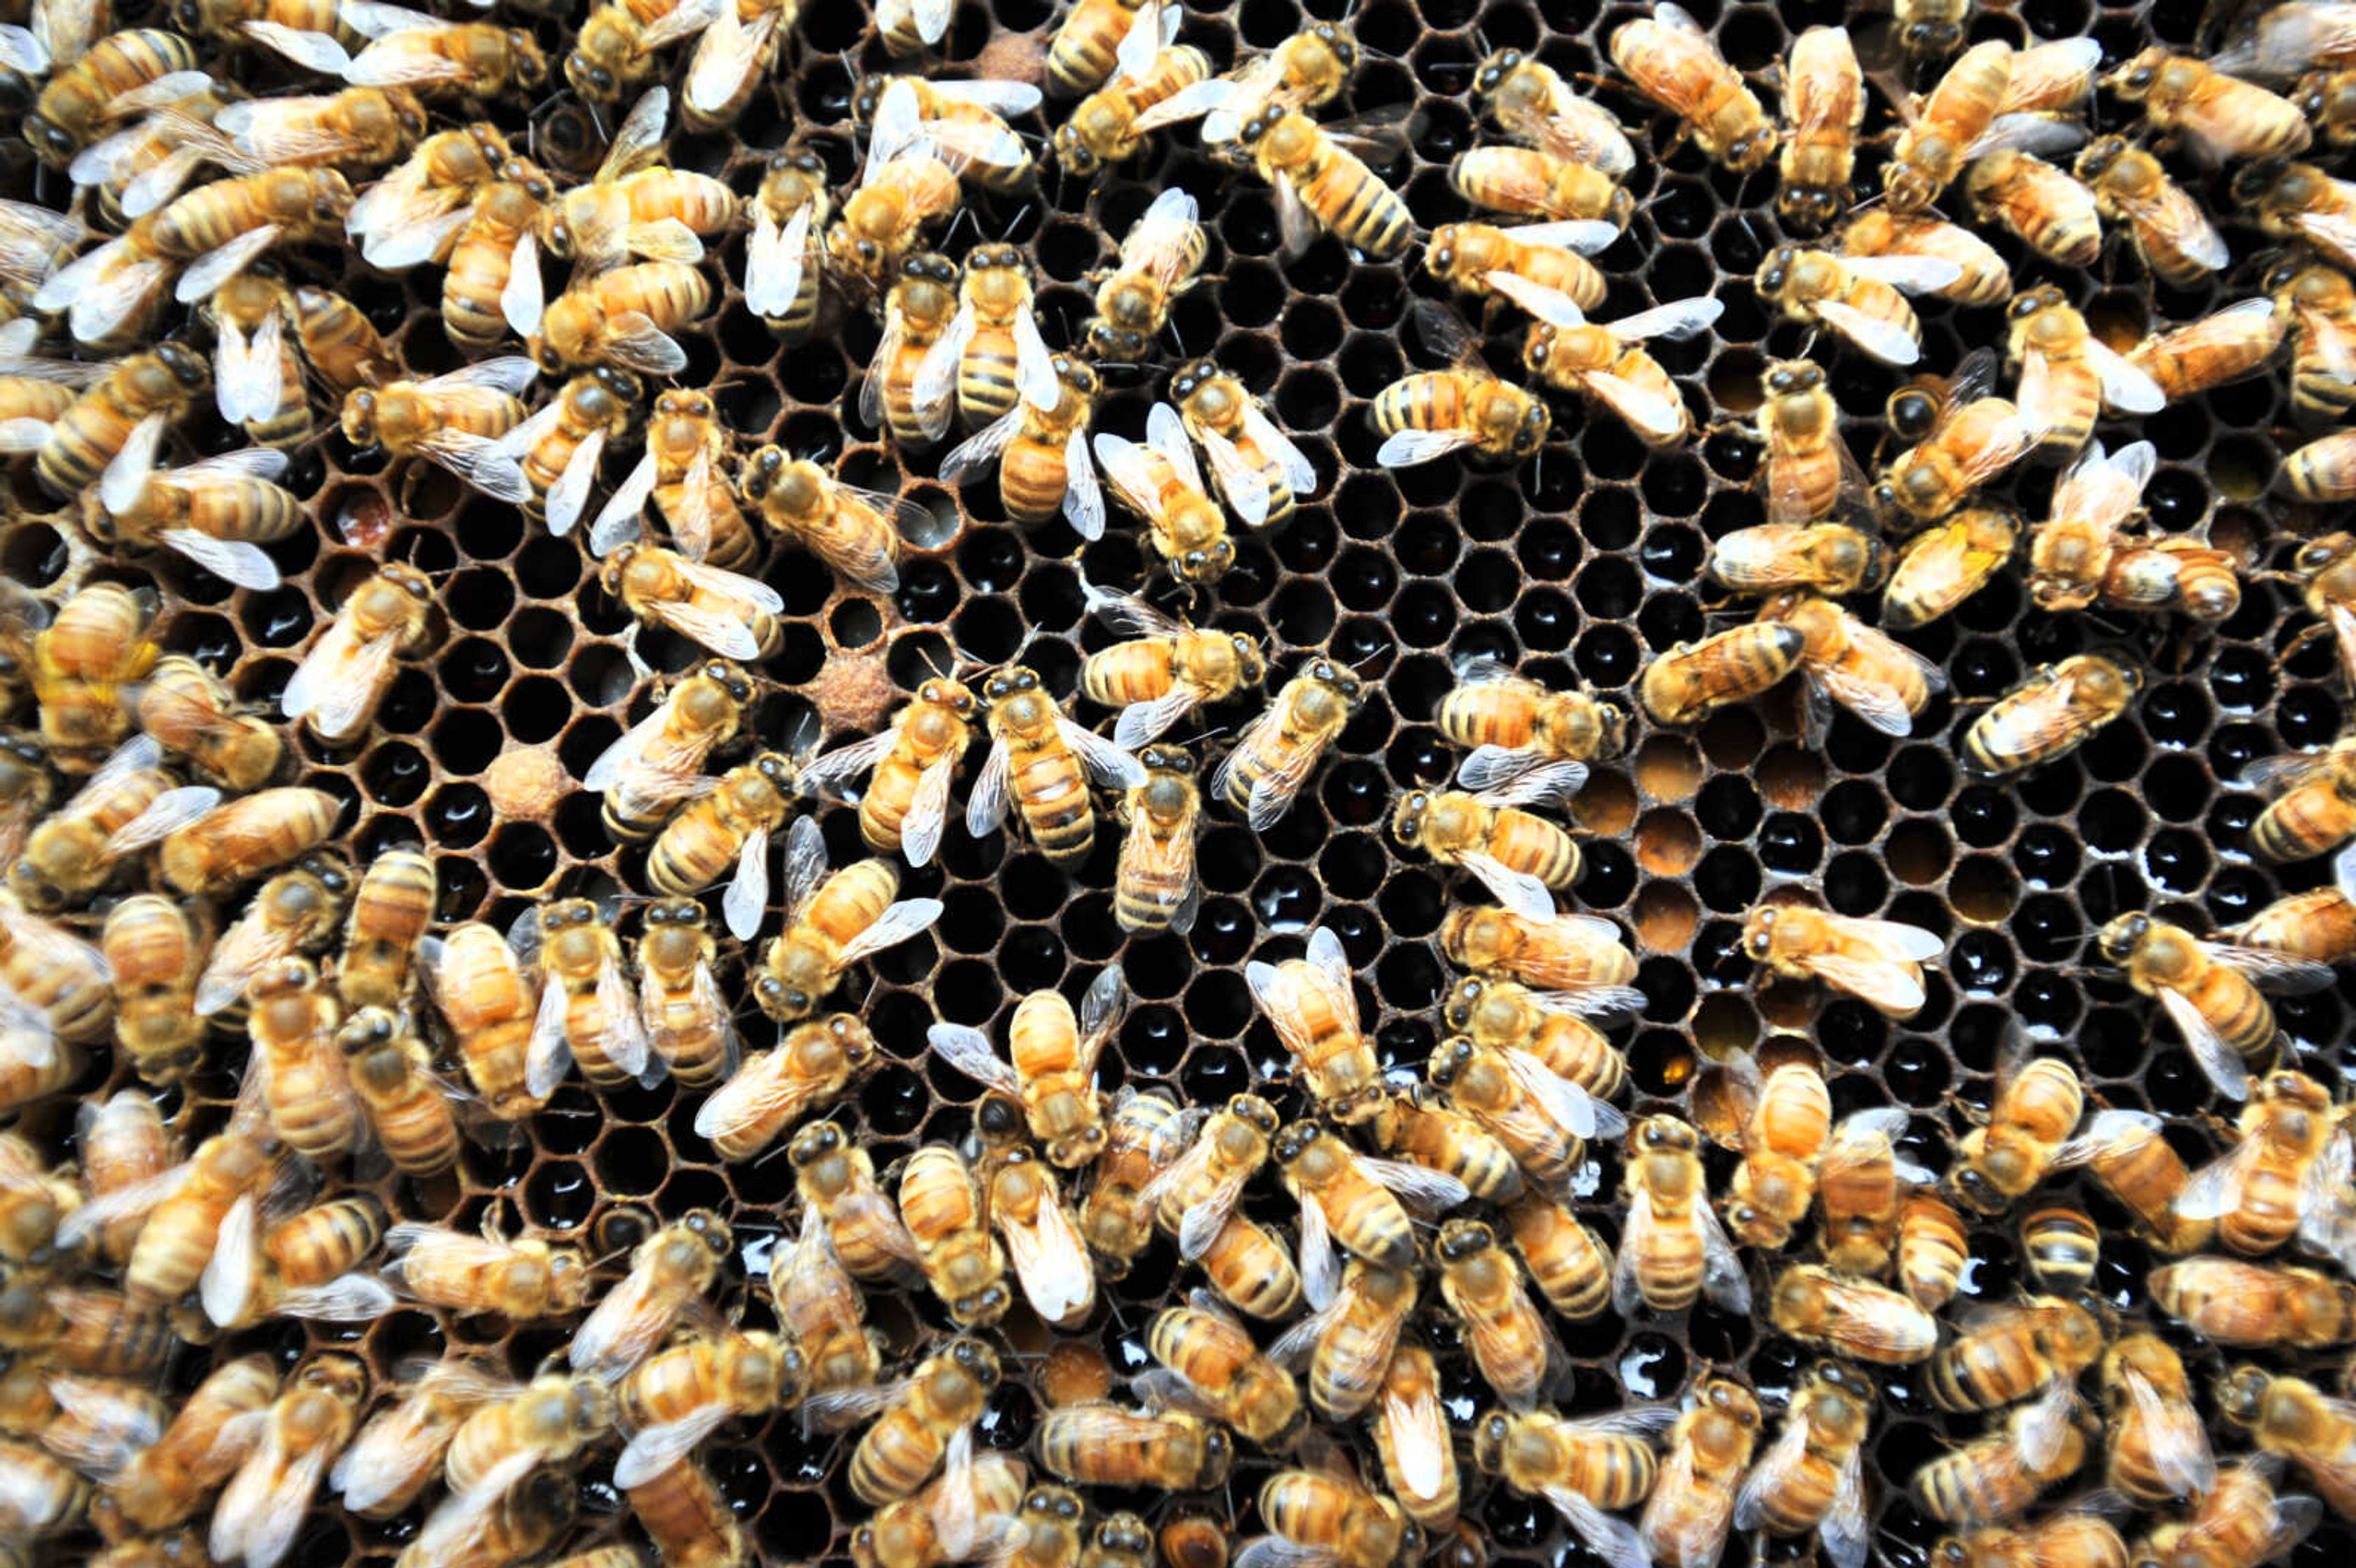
pixel 829 774
pixel 462 1517
pixel 747 898
pixel 1907 274
pixel 729 54
pixel 1166 864
pixel 805 864
pixel 1883 982
pixel 897 128
pixel 2223 1066
pixel 248 381
pixel 1201 1223
pixel 1563 1101
pixel 349 1299
pixel 970 1051
pixel 986 807
pixel 2127 388
pixel 937 373
pixel 837 1408
pixel 2334 344
pixel 2175 1436
pixel 1492 767
pixel 1295 223
pixel 620 520
pixel 126 1202
pixel 226 1287
pixel 1687 1517
pixel 206 274
pixel 548 1055
pixel 1417 1426
pixel 234 562
pixel 928 811
pixel 1722 1278
pixel 1772 1471
pixel 1659 419
pixel 1166 433
pixel 1519 892
pixel 1546 304
pixel 1108 765
pixel 622 1328
pixel 1161 243
pixel 982 448
pixel 1418 1186
pixel 1083 501
pixel 1405 448
pixel 2037 1429
pixel 1844 1531
pixel 903 920
pixel 480 463
pixel 2215 1189
pixel 1615 1540
pixel 1051 1263
pixel 774 259
pixel 1886 341
pixel 1154 29
pixel 339 677
pixel 2271 971
pixel 658 1448
pixel 2039 136
pixel 1241 482
pixel 2106 1132
pixel 164 816
pixel 1009 99
pixel 723 632
pixel 965 144
pixel 1677 319
pixel 626 1041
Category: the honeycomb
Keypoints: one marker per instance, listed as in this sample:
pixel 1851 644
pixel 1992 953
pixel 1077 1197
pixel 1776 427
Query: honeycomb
pixel 1576 567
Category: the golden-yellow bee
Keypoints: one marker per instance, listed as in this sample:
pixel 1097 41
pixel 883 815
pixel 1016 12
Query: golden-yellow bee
pixel 57 989
pixel 44 1498
pixel 1360 1202
pixel 298 1072
pixel 2219 118
pixel 1824 106
pixel 624 316
pixel 295 913
pixel 772 1089
pixel 2176 239
pixel 1156 886
pixel 1194 1197
pixel 1523 859
pixel 302 1266
pixel 1603 360
pixel 264 1504
pixel 2319 303
pixel 1565 952
pixel 1212 1359
pixel 2309 814
pixel 920 1416
pixel 991 355
pixel 2125 1152
pixel 731 823
pixel 2322 471
pixel 1484 1290
pixel 1995 1477
pixel 1349 1341
pixel 2210 991
pixel 969 1510
pixel 257 366
pixel 487 995
pixel 218 512
pixel 1947 129
pixel 1431 414
pixel 1158 480
pixel 1691 1510
pixel 400 1452
pixel 1851 1318
pixel 1673 1249
pixel 1674 63
pixel 733 616
pixel 1825 557
pixel 1874 676
pixel 559 448
pixel 2051 712
pixel 1306 70
pixel 1878 961
pixel 1934 1251
pixel 188 711
pixel 784 254
pixel 1809 473
pixel 669 1272
pixel 407 1106
pixel 2156 1448
pixel 1813 1477
pixel 1982 277
pixel 491 284
pixel 587 1012
pixel 78 102
pixel 436 59
pixel 2079 1539
pixel 2283 1177
pixel 1569 1262
pixel 1166 672
pixel 2300 201
pixel 342 680
pixel 1045 762
pixel 1529 182
pixel 389 910
pixel 1313 1005
pixel 832 922
pixel 1098 1443
pixel 613 52
pixel 1329 1515
pixel 1974 439
pixel 1105 128
pixel 2044 206
pixel 1554 255
pixel 918 309
pixel 207 1440
pixel 1084 48
pixel 1584 1467
pixel 686 1017
pixel 1540 1117
pixel 2290 1417
pixel 837 1180
pixel 1053 1073
pixel 966 122
pixel 655 762
pixel 1026 1209
pixel 680 471
pixel 127 804
pixel 2037 1103
pixel 1531 103
pixel 1785 1122
pixel 905 190
pixel 2319 925
pixel 2239 1521
pixel 1044 464
pixel 856 533
pixel 2068 376
pixel 823 1312
pixel 81 662
pixel 1692 680
pixel 1159 260
pixel 1410 1428
pixel 684 1394
pixel 905 806
pixel 2011 1353
pixel 239 841
pixel 1862 298
pixel 1321 183
pixel 635 205
pixel 122 1142
pixel 1514 726
pixel 1275 756
pixel 1144 1136
pixel 944 1208
pixel 501 1441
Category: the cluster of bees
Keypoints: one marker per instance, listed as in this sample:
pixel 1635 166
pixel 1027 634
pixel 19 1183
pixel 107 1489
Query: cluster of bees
pixel 163 893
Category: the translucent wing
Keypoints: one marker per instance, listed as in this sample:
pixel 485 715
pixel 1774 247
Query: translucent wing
pixel 1886 341
pixel 1052 1263
pixel 227 1285
pixel 986 807
pixel 1083 501
pixel 1771 1471
pixel 1405 448
pixel 1612 1539
pixel 205 275
pixel 928 812
pixel 1659 419
pixel 902 921
pixel 2126 385
pixel 982 448
pixel 234 562
pixel 1678 319
pixel 339 678
pixel 774 259
pixel 1241 482
pixel 970 1051
pixel 2215 1189
pixel 1107 763
pixel 747 898
pixel 548 1055
pixel 2223 1066
pixel 1908 274
pixel 1167 434
pixel 1516 890
pixel 1548 304
pixel 658 1448
pixel 2177 1442
pixel 1300 473
pixel 1845 1530
pixel 248 376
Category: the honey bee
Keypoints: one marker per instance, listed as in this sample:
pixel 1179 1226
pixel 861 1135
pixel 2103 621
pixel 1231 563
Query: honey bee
pixel 1194 1197
pixel 2006 1354
pixel 784 254
pixel 1673 1249
pixel 1155 886
pixel 832 922
pixel 122 1142
pixel 503 1440
pixel 2240 1522
pixel 636 205
pixel 1584 1467
pixel 1552 255
pixel 837 1180
pixel 128 804
pixel 1982 277
pixel 1096 1444
pixel 687 1390
pixel 733 617
pixel 2291 1418
pixel 966 122
pixel 1358 1202
pixel 968 1512
pixel 2311 925
pixel 1971 443
pixel 1158 262
pixel 1052 1519
pixel 1106 128
pixel 1327 1517
pixel 1521 858
pixel 106 1332
pixel 856 532
pixel 2277 1180
pixel 1526 182
pixel 2046 207
pixel 991 355
pixel 820 1307
pixel 2068 377
pixel 1045 762
pixel 1879 679
pixel 45 1498
pixel 1955 124
pixel 1693 679
pixel 263 1507
pixel 1431 414
pixel 1276 755
pixel 904 191
pixel 1565 952
pixel 2061 1247
pixel 295 913
pixel 2322 303
pixel 1531 104
pixel 1824 104
pixel 1410 1428
pixel 2300 201
pixel 1809 474
pixel 1786 1125
pixel 237 841
pixel 730 824
pixel 1306 70
pixel 1484 1290
pixel 56 974
pixel 453 421
pixel 1349 1340
pixel 1691 1509
pixel 2037 1103
pixel 487 995
pixel 622 317
pixel 344 677
pixel 1211 1361
pixel 1042 456
pixel 1572 1265
pixel 1168 671
pixel 735 56
pixel 2318 471
pixel 1514 726
pixel 2177 242
pixel 217 513
pixel 587 1014
pixel 407 1106
pixel 1830 558
pixel 1862 298
pixel 1144 1135
pixel 71 450
pixel 2210 991
pixel 1674 63
pixel 686 1018
pixel 1880 962
pixel 1315 1008
pixel 669 1272
pixel 79 100
pixel 2071 1537
pixel 1602 361
pixel 436 58
pixel 209 1438
pixel 2156 1448
pixel 2050 714
pixel 1320 182
pixel 2307 816
pixel 682 472
pixel 656 762
pixel 1850 1317
pixel 559 448
pixel 389 910
pixel 905 806
pixel 942 1206
pixel 338 343
pixel 257 366
pixel 365 127
pixel 2217 117
pixel 1053 1073
pixel 2125 1152
pixel 1932 1250
pixel 1026 1209
pixel 1086 47
pixel 918 309
pixel 1813 1476
pixel 298 1072
pixel 302 1266
pixel 414 212
pixel 1862 1185
pixel 920 1417
pixel 187 710
pixel 614 49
